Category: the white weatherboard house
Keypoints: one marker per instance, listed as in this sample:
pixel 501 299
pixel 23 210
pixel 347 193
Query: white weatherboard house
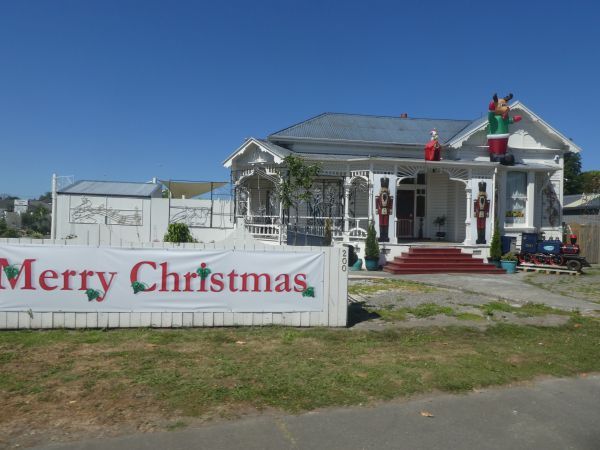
pixel 356 151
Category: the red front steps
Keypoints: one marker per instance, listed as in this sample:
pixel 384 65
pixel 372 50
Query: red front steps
pixel 438 260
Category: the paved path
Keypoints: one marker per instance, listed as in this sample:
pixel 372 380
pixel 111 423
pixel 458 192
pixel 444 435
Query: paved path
pixel 508 287
pixel 550 414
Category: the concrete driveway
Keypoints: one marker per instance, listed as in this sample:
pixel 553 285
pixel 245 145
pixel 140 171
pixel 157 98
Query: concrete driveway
pixel 512 288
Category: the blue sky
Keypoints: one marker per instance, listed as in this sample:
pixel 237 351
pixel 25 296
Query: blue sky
pixel 128 90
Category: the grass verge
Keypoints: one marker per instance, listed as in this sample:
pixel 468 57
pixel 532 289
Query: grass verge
pixel 527 310
pixel 373 286
pixel 220 372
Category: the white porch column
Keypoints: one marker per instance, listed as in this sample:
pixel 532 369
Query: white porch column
pixel 530 209
pixel 347 187
pixel 371 199
pixel 54 208
pixel 281 225
pixel 248 213
pixel 468 215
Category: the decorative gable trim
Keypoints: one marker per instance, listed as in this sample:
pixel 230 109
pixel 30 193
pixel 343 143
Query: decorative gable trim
pixel 481 124
pixel 265 147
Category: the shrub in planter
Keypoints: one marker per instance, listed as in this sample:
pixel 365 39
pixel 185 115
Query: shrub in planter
pixel 440 221
pixel 372 249
pixel 495 246
pixel 509 262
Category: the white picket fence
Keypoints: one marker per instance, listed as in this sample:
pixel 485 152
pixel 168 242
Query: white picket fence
pixel 334 313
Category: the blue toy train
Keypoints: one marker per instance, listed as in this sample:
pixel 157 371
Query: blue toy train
pixel 551 252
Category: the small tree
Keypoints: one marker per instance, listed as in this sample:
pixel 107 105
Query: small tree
pixel 495 246
pixel 296 185
pixel 371 244
pixel 178 232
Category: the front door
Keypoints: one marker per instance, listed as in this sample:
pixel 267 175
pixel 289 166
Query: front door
pixel 405 213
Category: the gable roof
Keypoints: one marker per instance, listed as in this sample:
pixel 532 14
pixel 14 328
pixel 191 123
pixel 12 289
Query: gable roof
pixel 370 129
pixel 116 188
pixel 480 124
pixel 277 151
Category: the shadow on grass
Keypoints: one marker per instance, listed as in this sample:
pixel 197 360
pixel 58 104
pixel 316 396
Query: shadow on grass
pixel 357 314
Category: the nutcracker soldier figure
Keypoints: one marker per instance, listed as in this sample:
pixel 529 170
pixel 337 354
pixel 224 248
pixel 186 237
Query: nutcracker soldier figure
pixel 384 202
pixel 498 121
pixel 482 210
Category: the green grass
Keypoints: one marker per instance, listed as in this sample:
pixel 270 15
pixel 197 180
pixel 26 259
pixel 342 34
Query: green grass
pixel 527 310
pixel 423 311
pixel 218 372
pixel 469 316
pixel 373 286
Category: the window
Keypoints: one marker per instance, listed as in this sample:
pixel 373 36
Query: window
pixel 516 197
pixel 421 178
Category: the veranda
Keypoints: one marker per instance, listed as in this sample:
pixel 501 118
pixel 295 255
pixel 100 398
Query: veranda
pixel 345 193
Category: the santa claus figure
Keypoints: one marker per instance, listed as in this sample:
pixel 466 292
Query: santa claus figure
pixel 384 203
pixel 433 148
pixel 482 210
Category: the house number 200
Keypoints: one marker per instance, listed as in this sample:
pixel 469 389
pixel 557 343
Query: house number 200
pixel 344 260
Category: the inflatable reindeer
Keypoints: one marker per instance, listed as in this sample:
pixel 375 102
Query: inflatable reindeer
pixel 498 121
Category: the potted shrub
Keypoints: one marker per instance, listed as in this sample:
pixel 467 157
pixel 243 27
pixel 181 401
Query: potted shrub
pixel 372 249
pixel 509 262
pixel 495 246
pixel 440 221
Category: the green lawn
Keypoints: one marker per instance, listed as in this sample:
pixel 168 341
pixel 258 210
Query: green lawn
pixel 215 372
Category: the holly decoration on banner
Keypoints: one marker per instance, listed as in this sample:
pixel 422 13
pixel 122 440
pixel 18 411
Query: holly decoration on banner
pixel 93 294
pixel 308 292
pixel 11 272
pixel 203 271
pixel 138 286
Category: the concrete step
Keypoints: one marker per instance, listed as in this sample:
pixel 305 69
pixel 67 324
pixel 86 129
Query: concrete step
pixel 444 270
pixel 439 260
pixel 435 250
pixel 439 265
pixel 433 258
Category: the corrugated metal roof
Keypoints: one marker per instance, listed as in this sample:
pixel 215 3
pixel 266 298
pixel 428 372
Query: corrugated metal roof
pixel 278 150
pixel 117 188
pixel 581 201
pixel 375 129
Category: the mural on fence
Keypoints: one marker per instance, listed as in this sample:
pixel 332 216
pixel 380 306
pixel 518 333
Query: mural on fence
pixel 88 212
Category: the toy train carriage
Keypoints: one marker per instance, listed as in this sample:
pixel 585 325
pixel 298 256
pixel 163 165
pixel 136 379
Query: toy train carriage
pixel 551 252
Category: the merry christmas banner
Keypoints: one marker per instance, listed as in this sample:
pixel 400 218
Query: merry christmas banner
pixel 89 279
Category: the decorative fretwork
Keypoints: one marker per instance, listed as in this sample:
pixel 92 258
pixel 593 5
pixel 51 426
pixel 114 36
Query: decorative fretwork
pixel 456 173
pixel 242 200
pixel 383 170
pixel 359 174
pixel 410 171
pixel 332 172
pixel 270 171
pixel 550 204
pixel 482 174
